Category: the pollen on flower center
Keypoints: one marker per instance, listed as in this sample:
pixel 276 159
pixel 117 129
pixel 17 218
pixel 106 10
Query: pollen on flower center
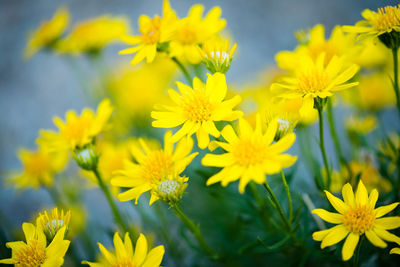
pixel 248 153
pixel 75 130
pixel 32 255
pixel 313 82
pixel 169 187
pixel 157 165
pixel 151 34
pixel 197 106
pixel 126 262
pixel 386 18
pixel 359 219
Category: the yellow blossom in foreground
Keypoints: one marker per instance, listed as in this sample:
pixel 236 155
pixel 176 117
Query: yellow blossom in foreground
pixel 357 216
pixel 361 125
pixel 47 33
pixel 92 35
pixel 52 222
pixel 251 155
pixel 197 108
pixel 152 166
pixel 154 34
pixel 77 131
pixel 35 251
pixel 124 254
pixel 313 79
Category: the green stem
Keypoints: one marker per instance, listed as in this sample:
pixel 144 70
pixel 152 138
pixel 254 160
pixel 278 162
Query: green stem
pixel 289 197
pixel 261 205
pixel 356 256
pixel 183 69
pixel 396 77
pixel 195 230
pixel 278 206
pixel 322 144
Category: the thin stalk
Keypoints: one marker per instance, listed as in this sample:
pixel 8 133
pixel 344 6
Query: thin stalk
pixel 356 256
pixel 396 77
pixel 289 197
pixel 183 69
pixel 278 206
pixel 261 205
pixel 195 230
pixel 322 144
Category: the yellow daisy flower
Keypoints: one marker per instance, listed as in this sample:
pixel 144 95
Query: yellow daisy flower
pixel 52 222
pixel 153 166
pixel 312 79
pixel 251 155
pixel 154 32
pixel 125 256
pixel 77 131
pixel 35 251
pixel 198 108
pixel 357 216
pixel 47 33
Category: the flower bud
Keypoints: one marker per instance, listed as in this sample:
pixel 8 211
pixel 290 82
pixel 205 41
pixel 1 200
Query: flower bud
pixel 86 157
pixel 52 222
pixel 171 190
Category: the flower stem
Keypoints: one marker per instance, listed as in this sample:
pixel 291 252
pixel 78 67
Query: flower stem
pixel 183 69
pixel 396 77
pixel 195 230
pixel 356 256
pixel 278 206
pixel 289 197
pixel 322 144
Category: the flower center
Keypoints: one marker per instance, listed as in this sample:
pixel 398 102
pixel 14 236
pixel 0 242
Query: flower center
pixel 187 34
pixel 123 263
pixel 151 34
pixel 313 81
pixel 31 255
pixel 169 187
pixel 157 165
pixel 247 153
pixel 359 219
pixel 76 129
pixel 197 106
pixel 386 18
pixel 37 164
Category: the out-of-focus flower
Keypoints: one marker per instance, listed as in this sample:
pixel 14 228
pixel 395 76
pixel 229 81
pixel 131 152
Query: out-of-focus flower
pixel 390 148
pixel 198 108
pixel 52 222
pixel 312 79
pixel 216 54
pixel 35 251
pixel 124 255
pixel 193 31
pixel 48 33
pixel 373 54
pixel 152 167
pixel 249 156
pixel 154 35
pixel 357 216
pixel 77 131
pixel 93 35
pixel 359 125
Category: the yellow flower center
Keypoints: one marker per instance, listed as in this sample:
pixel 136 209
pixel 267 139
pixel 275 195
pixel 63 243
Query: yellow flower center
pixel 37 164
pixel 75 130
pixel 151 35
pixel 313 81
pixel 197 106
pixel 386 18
pixel 30 255
pixel 248 152
pixel 359 219
pixel 156 166
pixel 123 263
pixel 187 34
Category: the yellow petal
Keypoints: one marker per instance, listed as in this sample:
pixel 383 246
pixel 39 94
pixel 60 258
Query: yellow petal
pixel 385 235
pixel 379 212
pixel 221 160
pixel 216 87
pixel 154 257
pixel 374 239
pixel 388 223
pixel 119 247
pixel 373 197
pixel 328 216
pixel 395 251
pixel 348 195
pixel 349 246
pixel 203 138
pixel 140 250
pixel 337 234
pixel 108 255
pixel 29 231
pixel 361 194
pixel 338 204
pixel 319 235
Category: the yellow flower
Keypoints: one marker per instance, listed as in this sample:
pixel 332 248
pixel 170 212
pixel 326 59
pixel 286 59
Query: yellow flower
pixel 154 165
pixel 154 33
pixel 361 125
pixel 48 33
pixel 92 35
pixel 373 55
pixel 198 108
pixel 35 251
pixel 357 216
pixel 313 79
pixel 216 54
pixel 125 256
pixel 40 166
pixel 251 155
pixel 77 131
pixel 52 222
pixel 193 31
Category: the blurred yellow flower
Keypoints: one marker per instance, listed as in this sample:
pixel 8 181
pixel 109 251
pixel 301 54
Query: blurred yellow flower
pixel 124 254
pixel 48 33
pixel 357 216
pixel 77 131
pixel 312 79
pixel 93 35
pixel 154 33
pixel 361 126
pixel 193 31
pixel 35 251
pixel 152 166
pixel 52 222
pixel 373 54
pixel 251 155
pixel 197 108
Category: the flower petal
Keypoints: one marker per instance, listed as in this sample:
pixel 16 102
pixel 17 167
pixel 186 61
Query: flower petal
pixel 379 212
pixel 337 234
pixel 328 216
pixel 338 204
pixel 385 235
pixel 140 250
pixel 374 239
pixel 388 223
pixel 348 195
pixel 361 194
pixel 349 246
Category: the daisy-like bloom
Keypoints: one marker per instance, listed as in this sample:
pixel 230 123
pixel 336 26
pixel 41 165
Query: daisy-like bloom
pixel 92 35
pixel 198 108
pixel 35 251
pixel 361 125
pixel 250 155
pixel 312 79
pixel 154 34
pixel 77 131
pixel 357 216
pixel 48 33
pixel 216 54
pixel 52 222
pixel 152 166
pixel 193 31
pixel 124 254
